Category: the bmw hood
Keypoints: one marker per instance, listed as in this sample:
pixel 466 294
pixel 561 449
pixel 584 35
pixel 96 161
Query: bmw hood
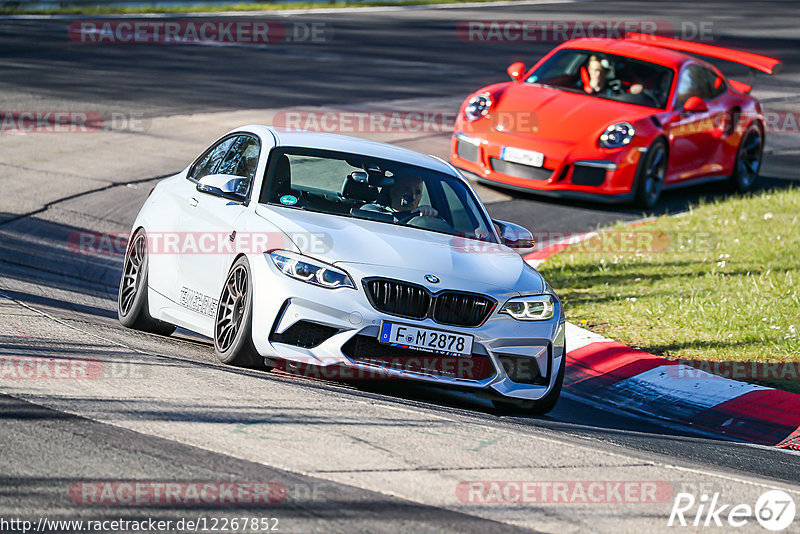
pixel 544 112
pixel 369 248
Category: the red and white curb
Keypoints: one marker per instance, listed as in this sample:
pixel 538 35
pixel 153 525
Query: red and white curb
pixel 605 371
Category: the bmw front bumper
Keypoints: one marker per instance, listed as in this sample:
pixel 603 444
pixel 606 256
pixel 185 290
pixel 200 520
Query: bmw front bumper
pixel 338 329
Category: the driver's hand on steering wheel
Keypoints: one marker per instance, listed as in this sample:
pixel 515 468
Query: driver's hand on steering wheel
pixel 636 89
pixel 427 211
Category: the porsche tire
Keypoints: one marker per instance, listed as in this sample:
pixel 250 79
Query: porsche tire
pixel 132 306
pixel 748 160
pixel 233 323
pixel 650 174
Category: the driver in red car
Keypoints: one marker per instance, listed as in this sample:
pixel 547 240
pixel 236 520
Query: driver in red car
pixel 598 82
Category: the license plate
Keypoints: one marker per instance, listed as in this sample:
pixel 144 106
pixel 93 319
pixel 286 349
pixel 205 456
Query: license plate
pixel 525 157
pixel 426 339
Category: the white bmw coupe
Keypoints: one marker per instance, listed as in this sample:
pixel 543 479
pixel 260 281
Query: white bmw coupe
pixel 331 252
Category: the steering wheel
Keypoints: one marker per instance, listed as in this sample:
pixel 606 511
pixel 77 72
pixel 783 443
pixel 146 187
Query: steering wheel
pixel 410 216
pixel 417 213
pixel 649 94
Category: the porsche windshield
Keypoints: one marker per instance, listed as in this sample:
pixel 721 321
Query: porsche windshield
pixel 606 76
pixel 351 185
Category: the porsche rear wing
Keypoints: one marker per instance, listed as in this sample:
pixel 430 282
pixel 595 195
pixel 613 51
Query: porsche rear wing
pixel 762 63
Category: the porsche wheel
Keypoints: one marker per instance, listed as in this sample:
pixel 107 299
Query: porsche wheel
pixel 650 174
pixel 538 407
pixel 233 326
pixel 748 160
pixel 132 308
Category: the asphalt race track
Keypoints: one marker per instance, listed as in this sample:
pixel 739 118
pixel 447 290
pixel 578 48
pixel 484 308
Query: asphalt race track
pixel 374 458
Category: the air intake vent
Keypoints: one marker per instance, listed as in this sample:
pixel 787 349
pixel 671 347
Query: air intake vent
pixel 306 334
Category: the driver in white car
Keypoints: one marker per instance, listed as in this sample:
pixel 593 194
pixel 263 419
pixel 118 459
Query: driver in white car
pixel 404 195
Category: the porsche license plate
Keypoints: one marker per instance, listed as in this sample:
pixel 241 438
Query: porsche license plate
pixel 425 339
pixel 525 157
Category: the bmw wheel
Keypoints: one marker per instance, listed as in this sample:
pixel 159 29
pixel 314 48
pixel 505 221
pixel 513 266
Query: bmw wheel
pixel 132 308
pixel 233 326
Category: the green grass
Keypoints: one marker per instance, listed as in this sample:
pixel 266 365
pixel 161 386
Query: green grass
pixel 718 284
pixel 205 8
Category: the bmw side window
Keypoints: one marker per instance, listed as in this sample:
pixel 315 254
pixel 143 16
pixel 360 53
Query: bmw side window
pixel 465 215
pixel 210 161
pixel 241 160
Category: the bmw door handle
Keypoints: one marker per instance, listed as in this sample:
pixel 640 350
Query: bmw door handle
pixel 193 202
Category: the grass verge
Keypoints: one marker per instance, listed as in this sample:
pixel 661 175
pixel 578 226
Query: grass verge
pixel 718 286
pixel 206 8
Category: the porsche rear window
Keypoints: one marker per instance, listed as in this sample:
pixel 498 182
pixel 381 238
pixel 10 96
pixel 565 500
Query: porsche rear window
pixel 623 79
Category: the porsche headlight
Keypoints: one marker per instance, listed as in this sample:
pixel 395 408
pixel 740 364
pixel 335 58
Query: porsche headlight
pixel 310 270
pixel 478 106
pixel 532 308
pixel 617 135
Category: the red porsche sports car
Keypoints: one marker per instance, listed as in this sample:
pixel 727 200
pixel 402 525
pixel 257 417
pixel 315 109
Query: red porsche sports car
pixel 615 120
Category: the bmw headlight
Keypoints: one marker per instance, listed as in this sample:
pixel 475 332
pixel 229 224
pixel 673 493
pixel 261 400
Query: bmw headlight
pixel 478 106
pixel 617 135
pixel 532 308
pixel 310 270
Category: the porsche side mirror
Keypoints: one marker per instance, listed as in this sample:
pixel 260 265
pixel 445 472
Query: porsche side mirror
pixel 695 104
pixel 513 235
pixel 516 70
pixel 223 185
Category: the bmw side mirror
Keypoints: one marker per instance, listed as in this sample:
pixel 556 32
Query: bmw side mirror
pixel 516 70
pixel 223 185
pixel 513 235
pixel 695 104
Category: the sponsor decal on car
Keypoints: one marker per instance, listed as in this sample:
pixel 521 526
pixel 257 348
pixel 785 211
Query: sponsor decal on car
pixel 198 302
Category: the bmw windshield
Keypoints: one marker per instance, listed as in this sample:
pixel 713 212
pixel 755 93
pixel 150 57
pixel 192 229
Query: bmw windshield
pixel 606 76
pixel 351 185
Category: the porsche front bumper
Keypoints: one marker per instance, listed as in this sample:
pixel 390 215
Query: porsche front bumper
pixel 568 170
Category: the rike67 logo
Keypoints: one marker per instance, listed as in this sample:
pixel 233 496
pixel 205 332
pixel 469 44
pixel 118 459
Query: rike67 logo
pixel 774 510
